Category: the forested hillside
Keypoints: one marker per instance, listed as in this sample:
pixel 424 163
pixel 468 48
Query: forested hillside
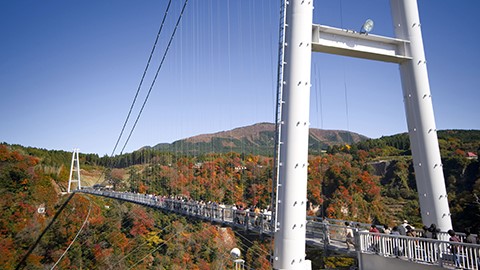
pixel 257 139
pixel 461 170
pixel 117 235
pixel 369 181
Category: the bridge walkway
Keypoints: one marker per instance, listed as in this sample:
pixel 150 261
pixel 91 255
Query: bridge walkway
pixel 329 234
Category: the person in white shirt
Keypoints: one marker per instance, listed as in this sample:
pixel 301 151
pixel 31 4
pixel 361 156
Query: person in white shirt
pixel 349 239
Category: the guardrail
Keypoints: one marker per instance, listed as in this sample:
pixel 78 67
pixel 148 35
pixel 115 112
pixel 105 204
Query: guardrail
pixel 421 250
pixel 258 222
pixel 329 232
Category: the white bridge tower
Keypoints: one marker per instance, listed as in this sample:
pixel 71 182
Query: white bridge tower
pixel 406 49
pixel 74 171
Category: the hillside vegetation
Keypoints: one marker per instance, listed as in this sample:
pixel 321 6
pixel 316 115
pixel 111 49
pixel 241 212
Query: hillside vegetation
pixel 257 139
pixel 369 181
pixel 117 235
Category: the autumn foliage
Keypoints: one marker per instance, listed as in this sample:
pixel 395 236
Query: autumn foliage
pixel 343 183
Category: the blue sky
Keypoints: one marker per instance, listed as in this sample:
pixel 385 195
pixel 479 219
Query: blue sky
pixel 69 70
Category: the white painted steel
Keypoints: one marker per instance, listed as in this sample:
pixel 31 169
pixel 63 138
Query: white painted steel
pixel 289 250
pixel 344 42
pixel 420 118
pixel 78 170
pixel 278 113
pixel 74 171
pixel 421 250
pixel 407 50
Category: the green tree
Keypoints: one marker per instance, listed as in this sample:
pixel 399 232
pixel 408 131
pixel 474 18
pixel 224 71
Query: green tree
pixel 133 179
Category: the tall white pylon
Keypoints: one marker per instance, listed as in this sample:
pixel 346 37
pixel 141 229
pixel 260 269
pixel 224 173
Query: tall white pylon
pixel 432 193
pixel 74 171
pixel 289 250
pixel 406 49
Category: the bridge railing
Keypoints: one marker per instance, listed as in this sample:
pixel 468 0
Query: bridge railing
pixel 325 230
pixel 442 235
pixel 244 219
pixel 421 250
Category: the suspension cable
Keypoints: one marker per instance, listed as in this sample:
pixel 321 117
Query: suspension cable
pixel 155 249
pixel 266 252
pixel 156 75
pixel 151 86
pixel 346 102
pixel 21 263
pixel 78 233
pixel 139 246
pixel 318 95
pixel 143 76
pixel 113 235
pixel 344 79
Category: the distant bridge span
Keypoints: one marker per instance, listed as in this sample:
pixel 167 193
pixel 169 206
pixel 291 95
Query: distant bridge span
pixel 374 251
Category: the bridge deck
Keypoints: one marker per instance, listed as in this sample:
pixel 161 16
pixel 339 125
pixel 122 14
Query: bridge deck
pixel 328 234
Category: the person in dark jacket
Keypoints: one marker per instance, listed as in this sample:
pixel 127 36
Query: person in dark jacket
pixel 426 232
pixel 434 230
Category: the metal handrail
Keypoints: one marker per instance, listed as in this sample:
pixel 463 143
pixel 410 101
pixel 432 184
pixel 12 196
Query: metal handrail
pixel 329 231
pixel 421 250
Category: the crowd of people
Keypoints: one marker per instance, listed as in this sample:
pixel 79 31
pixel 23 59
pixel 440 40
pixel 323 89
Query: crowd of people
pixel 257 217
pixel 405 229
pixel 252 216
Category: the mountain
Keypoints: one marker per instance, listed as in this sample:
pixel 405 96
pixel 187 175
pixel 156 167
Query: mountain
pixel 342 183
pixel 255 139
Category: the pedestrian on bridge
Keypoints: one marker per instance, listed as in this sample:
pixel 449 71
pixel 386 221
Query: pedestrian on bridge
pixel 386 229
pixel 257 213
pixel 349 238
pixel 397 250
pixel 454 248
pixel 375 239
pixel 411 232
pixel 426 232
pixel 402 228
pixel 469 237
pixel 434 231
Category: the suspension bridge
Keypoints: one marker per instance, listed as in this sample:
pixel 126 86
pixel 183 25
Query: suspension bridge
pixel 396 251
pixel 288 223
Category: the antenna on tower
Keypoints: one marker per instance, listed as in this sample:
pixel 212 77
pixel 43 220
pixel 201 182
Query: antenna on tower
pixel 74 171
